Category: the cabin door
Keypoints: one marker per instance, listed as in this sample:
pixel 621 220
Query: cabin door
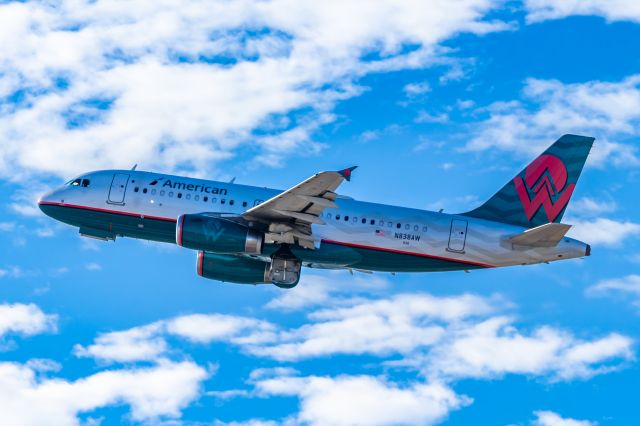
pixel 118 188
pixel 458 235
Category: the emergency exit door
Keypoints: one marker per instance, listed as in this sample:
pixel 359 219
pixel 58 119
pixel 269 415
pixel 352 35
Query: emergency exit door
pixel 118 188
pixel 458 235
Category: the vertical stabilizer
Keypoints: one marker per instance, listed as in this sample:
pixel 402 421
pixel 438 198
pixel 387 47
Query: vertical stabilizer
pixel 541 192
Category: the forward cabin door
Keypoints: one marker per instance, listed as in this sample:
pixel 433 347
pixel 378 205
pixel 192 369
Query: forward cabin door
pixel 458 235
pixel 118 188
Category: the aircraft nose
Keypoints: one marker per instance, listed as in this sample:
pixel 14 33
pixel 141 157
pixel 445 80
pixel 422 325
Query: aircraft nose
pixel 46 203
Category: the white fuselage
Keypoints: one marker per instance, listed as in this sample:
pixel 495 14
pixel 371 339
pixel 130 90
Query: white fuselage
pixel 369 227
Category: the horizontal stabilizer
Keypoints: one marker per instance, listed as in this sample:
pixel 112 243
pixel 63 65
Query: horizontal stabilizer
pixel 547 235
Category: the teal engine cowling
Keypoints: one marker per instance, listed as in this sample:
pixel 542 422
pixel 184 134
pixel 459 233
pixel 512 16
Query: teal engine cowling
pixel 284 273
pixel 218 235
pixel 239 270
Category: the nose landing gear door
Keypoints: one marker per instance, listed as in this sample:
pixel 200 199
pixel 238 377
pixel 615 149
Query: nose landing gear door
pixel 457 236
pixel 118 188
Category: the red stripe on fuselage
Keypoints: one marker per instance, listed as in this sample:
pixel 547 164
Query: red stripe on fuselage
pixel 95 209
pixel 409 253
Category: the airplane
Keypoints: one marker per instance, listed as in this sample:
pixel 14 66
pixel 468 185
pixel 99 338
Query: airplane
pixel 252 235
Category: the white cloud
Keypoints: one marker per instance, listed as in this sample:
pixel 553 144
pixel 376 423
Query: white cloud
pixel 627 287
pixel 328 289
pixel 149 342
pixel 135 344
pixel 357 400
pixel 17 272
pixel 95 71
pixel 417 89
pixel 602 231
pixel 201 328
pixel 26 320
pixel 161 391
pixel 445 338
pixel 93 266
pixel 588 206
pixel 7 226
pixel 495 347
pixel 549 418
pixel 611 10
pixel 400 324
pixel 426 117
pixel 608 111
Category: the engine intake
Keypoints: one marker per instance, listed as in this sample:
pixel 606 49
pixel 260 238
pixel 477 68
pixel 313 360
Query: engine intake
pixel 233 269
pixel 200 232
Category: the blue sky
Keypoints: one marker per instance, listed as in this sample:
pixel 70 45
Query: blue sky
pixel 438 103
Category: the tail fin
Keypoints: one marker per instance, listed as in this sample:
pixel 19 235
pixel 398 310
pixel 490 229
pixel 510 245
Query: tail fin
pixel 540 193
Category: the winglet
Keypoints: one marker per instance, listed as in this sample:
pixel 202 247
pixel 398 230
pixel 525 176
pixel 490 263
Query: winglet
pixel 346 173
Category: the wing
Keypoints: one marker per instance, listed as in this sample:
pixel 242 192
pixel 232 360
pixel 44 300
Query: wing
pixel 290 214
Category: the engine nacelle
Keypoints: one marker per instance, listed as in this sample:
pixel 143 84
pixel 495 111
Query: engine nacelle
pixel 282 272
pixel 201 232
pixel 233 269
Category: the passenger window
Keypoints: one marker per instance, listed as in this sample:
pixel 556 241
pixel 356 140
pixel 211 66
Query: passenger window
pixel 346 218
pixel 162 193
pixel 407 226
pixel 179 194
pixel 153 192
pixel 188 196
pixel 389 224
pixel 364 220
pixel 231 202
pixel 328 215
pixel 337 217
pixel 244 204
pixel 205 199
pixel 398 225
pixel 214 200
pixel 144 190
pixel 373 222
pixel 85 183
pixel 196 198
pixel 136 189
pixel 354 220
pixel 424 228
pixel 222 201
pixel 170 193
pixel 382 222
pixel 416 228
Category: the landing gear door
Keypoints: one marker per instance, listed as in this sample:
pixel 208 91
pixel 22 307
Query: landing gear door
pixel 458 235
pixel 118 188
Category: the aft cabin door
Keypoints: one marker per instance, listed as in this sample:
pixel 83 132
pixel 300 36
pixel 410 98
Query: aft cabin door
pixel 458 235
pixel 118 188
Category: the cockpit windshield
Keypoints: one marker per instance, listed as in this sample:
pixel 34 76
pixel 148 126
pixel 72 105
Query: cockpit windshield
pixel 79 182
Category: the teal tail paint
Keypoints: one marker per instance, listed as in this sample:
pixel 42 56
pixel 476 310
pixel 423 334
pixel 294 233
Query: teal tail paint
pixel 541 192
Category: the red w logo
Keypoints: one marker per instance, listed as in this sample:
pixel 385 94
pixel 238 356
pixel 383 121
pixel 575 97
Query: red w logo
pixel 546 177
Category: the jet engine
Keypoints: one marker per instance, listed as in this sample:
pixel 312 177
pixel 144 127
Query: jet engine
pixel 233 269
pixel 213 234
pixel 280 271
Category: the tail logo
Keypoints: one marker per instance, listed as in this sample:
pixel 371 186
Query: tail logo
pixel 546 178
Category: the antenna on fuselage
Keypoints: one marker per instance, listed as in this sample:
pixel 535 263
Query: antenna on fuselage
pixel 233 179
pixel 134 167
